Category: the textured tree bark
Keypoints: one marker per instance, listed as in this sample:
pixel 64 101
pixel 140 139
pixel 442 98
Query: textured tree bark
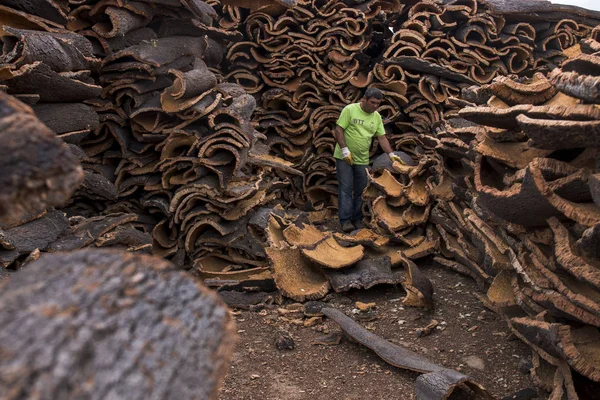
pixel 109 324
pixel 38 169
pixel 436 383
pixel 542 10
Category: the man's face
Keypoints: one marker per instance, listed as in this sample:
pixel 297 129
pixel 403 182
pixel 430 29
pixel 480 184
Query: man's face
pixel 370 105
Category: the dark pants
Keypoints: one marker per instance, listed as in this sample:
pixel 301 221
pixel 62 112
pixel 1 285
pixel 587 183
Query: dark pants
pixel 352 180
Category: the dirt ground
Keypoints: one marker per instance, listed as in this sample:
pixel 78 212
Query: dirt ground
pixel 474 340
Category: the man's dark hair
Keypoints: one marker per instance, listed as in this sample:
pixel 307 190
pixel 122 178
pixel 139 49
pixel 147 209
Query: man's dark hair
pixel 373 92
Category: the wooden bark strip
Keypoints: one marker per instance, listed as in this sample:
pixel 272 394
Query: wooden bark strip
pixel 54 87
pixel 123 19
pixel 257 5
pixel 50 9
pixel 513 154
pixel 39 170
pixel 589 243
pixel 330 254
pixel 188 87
pixel 542 372
pixel 576 346
pixel 437 383
pixel 543 10
pixel 363 275
pixel 123 325
pixel 594 182
pixel 582 268
pixel 556 135
pixel 61 52
pixel 559 306
pixel 514 203
pixel 417 64
pixel 36 234
pixel 452 247
pixel 419 290
pixel 537 90
pixel 395 219
pixel 88 230
pixel 500 293
pixel 581 294
pixel 507 117
pixel 585 64
pixel 304 236
pixel 583 87
pixel 295 276
pixel 19 19
pixel 67 117
pixel 424 249
pixel 165 51
pixel 364 237
pixel 461 269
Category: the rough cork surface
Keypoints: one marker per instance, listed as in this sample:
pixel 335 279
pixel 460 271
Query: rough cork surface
pixel 295 275
pixel 437 382
pixel 331 254
pixel 109 324
pixel 39 170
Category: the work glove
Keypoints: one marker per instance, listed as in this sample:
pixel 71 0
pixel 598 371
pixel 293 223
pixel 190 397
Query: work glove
pixel 347 156
pixel 394 157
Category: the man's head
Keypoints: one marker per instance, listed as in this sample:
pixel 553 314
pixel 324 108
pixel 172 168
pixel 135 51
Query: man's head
pixel 371 100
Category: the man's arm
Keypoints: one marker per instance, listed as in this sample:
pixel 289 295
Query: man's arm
pixel 385 144
pixel 338 132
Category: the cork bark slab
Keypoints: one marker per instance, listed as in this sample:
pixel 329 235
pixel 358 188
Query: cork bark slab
pixel 436 382
pixel 112 318
pixel 39 170
pixel 295 275
pixel 330 254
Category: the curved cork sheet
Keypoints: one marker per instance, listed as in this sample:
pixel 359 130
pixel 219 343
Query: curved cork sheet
pixel 514 154
pixel 364 275
pixel 38 169
pixel 579 347
pixel 211 267
pixel 274 233
pixel 537 91
pixel 594 182
pixel 395 219
pixel 424 249
pixel 419 290
pixel 559 306
pixel 515 203
pixel 305 236
pixel 580 293
pixel 584 87
pixel 417 192
pixel 583 268
pixel 295 276
pixel 500 293
pixel 556 135
pixel 388 184
pixel 330 254
pixel 504 118
pixel 365 237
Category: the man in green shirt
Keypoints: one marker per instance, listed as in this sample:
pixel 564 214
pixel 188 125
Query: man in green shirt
pixel 356 126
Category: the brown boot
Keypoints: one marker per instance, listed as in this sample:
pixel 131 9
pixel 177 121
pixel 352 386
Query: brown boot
pixel 347 227
pixel 358 224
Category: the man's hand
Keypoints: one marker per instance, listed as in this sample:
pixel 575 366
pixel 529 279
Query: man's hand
pixel 347 156
pixel 394 157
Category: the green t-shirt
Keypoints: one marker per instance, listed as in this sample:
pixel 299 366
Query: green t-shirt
pixel 359 129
